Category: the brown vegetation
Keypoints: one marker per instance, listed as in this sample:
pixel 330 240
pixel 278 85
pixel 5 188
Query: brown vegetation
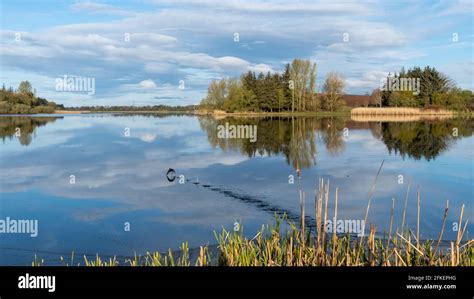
pixel 399 111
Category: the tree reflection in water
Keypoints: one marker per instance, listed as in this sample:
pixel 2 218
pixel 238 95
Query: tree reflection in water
pixel 424 139
pixel 9 126
pixel 294 137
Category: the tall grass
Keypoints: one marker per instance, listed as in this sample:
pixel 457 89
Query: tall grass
pixel 293 245
pixel 271 247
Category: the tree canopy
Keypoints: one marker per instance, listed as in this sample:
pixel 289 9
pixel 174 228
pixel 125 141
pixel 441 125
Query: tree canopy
pixel 294 89
pixel 435 89
pixel 24 101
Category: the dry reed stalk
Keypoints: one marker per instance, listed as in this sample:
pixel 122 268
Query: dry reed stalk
pixel 371 245
pixel 303 218
pixel 458 237
pixel 320 216
pixel 452 254
pixel 406 203
pixel 463 230
pixel 467 243
pixel 326 200
pixel 372 190
pixel 400 258
pixel 318 208
pixel 202 260
pixel 334 228
pixel 418 219
pixel 409 243
pixel 459 234
pixel 289 255
pixel 442 230
pixel 390 230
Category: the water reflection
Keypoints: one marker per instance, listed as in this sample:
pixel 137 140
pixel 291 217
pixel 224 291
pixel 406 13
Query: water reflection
pixel 120 178
pixel 294 137
pixel 22 127
pixel 424 139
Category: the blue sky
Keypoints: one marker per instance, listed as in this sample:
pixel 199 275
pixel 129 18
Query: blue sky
pixel 194 41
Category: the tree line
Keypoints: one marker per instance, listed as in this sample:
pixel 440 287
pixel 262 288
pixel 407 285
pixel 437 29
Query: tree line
pixel 157 108
pixel 293 90
pixel 24 101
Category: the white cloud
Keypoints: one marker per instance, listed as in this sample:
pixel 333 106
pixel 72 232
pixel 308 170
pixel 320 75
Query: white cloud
pixel 147 84
pixel 147 137
pixel 193 41
pixel 93 7
pixel 260 68
pixel 315 7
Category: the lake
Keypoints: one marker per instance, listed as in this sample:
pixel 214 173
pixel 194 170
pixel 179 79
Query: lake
pixel 97 183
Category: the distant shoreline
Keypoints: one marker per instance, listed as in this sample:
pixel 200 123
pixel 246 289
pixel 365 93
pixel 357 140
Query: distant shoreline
pixel 359 112
pixel 70 112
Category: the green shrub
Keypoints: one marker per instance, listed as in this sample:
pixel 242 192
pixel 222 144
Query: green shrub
pixel 20 109
pixel 43 109
pixel 5 107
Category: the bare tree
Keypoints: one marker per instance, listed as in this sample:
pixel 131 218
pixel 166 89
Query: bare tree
pixel 333 91
pixel 377 96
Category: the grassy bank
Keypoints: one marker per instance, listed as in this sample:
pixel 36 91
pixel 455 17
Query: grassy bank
pixel 293 244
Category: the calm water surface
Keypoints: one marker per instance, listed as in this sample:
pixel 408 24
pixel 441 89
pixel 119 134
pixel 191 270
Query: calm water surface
pixel 121 179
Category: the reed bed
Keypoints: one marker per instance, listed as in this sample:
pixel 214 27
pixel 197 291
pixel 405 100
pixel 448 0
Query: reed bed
pixel 399 118
pixel 295 247
pixel 292 244
pixel 399 111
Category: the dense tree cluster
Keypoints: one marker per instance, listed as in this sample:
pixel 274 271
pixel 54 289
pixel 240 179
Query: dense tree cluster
pixel 435 90
pixel 290 91
pixel 24 101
